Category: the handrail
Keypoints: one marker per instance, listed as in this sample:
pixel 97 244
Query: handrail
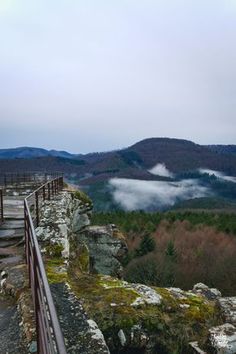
pixel 49 336
pixel 10 178
pixel 1 206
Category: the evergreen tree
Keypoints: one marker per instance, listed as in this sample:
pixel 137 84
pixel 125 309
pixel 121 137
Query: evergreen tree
pixel 147 245
pixel 170 250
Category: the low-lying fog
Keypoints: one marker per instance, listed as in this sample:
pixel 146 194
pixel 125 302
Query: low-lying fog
pixel 132 194
pixel 218 174
pixel 160 170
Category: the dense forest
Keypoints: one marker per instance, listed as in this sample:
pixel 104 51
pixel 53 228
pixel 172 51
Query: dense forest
pixel 178 248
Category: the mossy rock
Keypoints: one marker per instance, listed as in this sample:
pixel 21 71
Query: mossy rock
pixel 54 250
pixel 168 325
pixel 83 258
pixel 55 270
pixel 84 198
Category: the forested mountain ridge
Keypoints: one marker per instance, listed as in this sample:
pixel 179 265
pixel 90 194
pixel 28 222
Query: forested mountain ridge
pixel 170 170
pixel 223 149
pixel 32 152
pixel 177 154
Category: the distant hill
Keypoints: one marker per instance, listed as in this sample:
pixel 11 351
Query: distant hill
pixel 48 163
pixel 93 171
pixel 133 162
pixel 32 152
pixel 223 149
pixel 181 155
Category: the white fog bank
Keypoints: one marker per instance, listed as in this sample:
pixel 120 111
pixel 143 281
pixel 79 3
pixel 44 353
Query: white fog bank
pixel 133 194
pixel 218 174
pixel 160 170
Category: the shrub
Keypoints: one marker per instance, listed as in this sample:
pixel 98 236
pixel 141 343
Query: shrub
pixel 82 196
pixel 142 270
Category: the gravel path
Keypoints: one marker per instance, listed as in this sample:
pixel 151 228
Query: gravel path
pixel 10 342
pixel 82 335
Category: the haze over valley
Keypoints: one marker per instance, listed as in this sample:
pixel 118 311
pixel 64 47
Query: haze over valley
pixel 153 174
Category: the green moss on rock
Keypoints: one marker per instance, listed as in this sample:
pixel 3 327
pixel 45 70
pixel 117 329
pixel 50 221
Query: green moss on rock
pixel 54 250
pixel 55 270
pixel 78 194
pixel 83 258
pixel 172 324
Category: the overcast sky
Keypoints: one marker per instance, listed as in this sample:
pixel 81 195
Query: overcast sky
pixel 93 75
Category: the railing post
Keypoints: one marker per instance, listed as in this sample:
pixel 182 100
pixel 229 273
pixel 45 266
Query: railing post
pixel 36 299
pixel 1 206
pixel 61 182
pixel 49 194
pixel 44 193
pixel 27 243
pixel 37 207
pixel 26 236
pixel 52 184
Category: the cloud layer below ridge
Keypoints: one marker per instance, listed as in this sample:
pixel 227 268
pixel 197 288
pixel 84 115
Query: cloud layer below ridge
pixel 161 170
pixel 133 194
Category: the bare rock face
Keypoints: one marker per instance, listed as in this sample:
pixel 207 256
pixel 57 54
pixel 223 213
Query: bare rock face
pixel 54 228
pixel 106 247
pixel 223 339
pixel 228 308
pixel 60 218
pixel 209 293
pixel 81 215
pixel 65 230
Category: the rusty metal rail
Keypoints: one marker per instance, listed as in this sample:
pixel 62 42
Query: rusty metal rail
pixel 1 206
pixel 49 336
pixel 18 178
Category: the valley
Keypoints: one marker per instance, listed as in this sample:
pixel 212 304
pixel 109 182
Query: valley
pixel 153 174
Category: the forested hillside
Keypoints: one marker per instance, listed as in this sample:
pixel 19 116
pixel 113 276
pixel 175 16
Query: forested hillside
pixel 178 249
pixel 153 174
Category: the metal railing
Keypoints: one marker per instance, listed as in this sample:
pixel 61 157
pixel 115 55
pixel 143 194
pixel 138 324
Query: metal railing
pixel 49 336
pixel 1 206
pixel 17 178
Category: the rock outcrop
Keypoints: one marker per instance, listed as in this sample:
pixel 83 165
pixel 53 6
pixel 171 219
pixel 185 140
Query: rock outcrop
pixel 84 269
pixel 223 338
pixel 209 293
pixel 106 245
pixel 65 230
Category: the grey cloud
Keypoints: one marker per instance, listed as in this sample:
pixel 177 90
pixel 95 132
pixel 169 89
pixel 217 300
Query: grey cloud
pixel 124 69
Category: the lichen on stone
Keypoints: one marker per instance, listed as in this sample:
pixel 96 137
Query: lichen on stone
pixel 56 270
